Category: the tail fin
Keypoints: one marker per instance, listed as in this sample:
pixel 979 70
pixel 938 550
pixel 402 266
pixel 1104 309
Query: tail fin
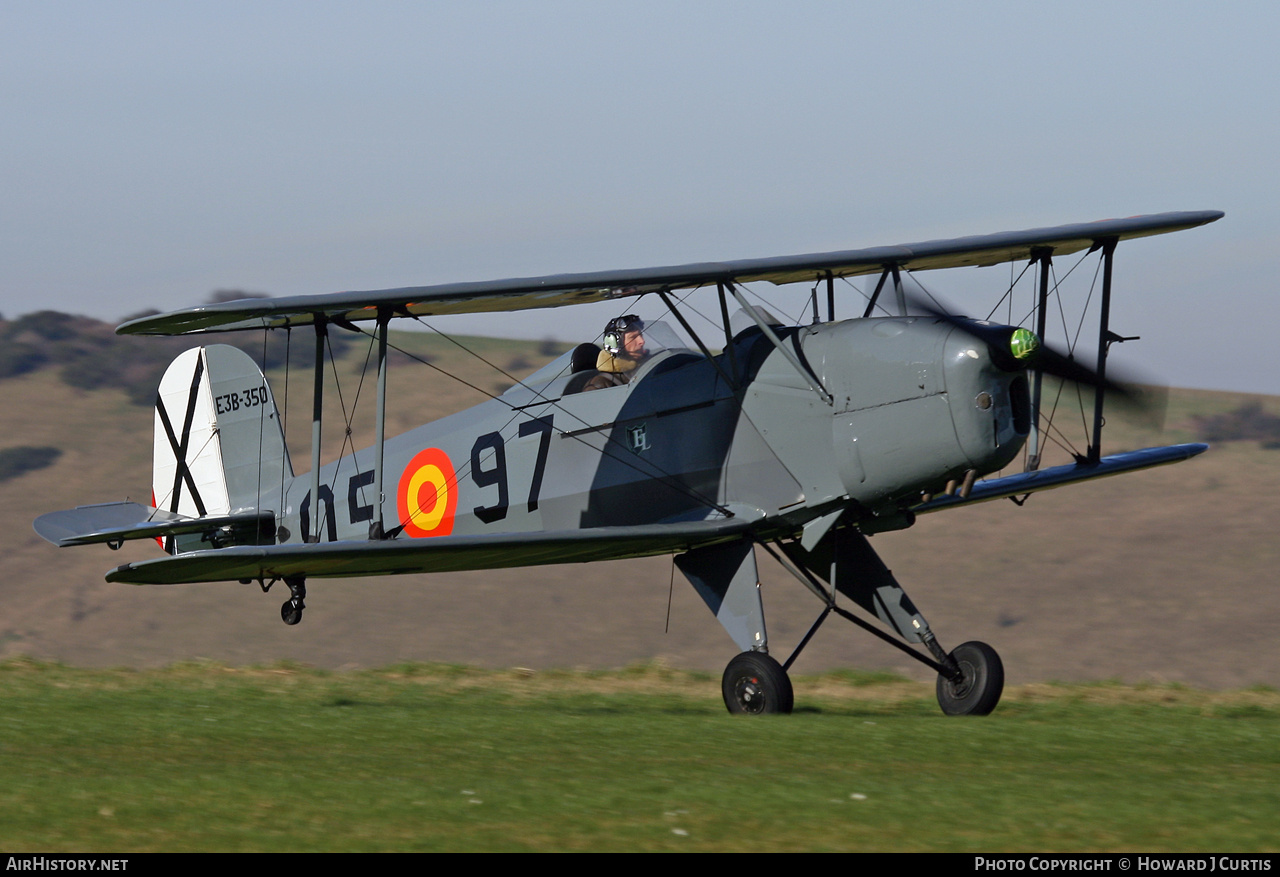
pixel 219 446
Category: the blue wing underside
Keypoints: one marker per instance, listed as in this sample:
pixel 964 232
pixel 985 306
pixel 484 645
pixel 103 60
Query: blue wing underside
pixel 1058 476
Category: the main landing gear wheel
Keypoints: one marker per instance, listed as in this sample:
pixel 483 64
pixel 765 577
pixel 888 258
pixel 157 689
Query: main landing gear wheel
pixel 978 690
pixel 754 684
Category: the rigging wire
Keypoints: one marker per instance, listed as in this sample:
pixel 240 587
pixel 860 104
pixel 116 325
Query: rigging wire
pixel 553 402
pixel 684 303
pixel 1008 295
pixel 849 283
pixel 348 440
pixel 667 478
pixel 1051 431
pixel 793 321
pixel 347 419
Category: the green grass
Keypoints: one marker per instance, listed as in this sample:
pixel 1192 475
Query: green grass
pixel 418 757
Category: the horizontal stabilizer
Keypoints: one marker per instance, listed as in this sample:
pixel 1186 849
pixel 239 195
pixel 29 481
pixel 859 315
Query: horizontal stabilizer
pixel 439 554
pixel 1057 476
pixel 116 522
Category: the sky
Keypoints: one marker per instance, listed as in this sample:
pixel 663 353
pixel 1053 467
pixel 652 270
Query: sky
pixel 154 153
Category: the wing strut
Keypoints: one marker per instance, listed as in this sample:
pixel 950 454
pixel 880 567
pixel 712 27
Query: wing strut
pixel 377 527
pixel 1045 258
pixel 377 530
pixel 1104 331
pixel 317 410
pixel 728 333
pixel 777 343
pixel 875 296
pixel 1093 453
pixel 666 300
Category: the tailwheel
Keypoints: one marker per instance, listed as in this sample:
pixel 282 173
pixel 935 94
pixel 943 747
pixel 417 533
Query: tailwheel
pixel 291 613
pixel 291 609
pixel 755 684
pixel 980 685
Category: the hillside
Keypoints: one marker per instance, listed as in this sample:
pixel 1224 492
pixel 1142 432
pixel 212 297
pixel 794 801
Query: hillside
pixel 1165 575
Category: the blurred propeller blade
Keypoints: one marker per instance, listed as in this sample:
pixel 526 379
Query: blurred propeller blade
pixel 1013 348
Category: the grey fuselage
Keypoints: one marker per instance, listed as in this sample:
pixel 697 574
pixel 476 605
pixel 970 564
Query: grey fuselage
pixel 915 403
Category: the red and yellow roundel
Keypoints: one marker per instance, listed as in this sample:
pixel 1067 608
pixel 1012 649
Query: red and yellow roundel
pixel 428 494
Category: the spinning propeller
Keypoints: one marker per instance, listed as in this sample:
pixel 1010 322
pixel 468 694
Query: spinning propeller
pixel 1014 348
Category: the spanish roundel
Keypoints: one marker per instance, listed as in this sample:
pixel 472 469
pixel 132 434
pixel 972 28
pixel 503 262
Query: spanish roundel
pixel 428 494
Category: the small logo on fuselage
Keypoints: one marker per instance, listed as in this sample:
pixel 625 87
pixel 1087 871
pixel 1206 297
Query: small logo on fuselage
pixel 637 438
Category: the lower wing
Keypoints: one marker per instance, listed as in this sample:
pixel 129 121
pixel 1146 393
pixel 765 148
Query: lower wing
pixel 439 554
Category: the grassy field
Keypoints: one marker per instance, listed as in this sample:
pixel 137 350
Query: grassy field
pixel 430 757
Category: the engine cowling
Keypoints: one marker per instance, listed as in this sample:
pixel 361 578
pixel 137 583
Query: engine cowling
pixel 918 402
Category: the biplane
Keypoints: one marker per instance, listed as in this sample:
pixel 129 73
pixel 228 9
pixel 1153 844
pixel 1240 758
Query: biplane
pixel 797 440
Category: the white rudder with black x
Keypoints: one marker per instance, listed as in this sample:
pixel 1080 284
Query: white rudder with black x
pixel 219 446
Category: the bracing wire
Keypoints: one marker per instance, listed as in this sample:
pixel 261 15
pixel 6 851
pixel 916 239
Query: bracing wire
pixel 668 478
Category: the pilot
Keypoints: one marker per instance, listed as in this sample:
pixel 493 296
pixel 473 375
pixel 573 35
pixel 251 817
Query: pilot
pixel 623 353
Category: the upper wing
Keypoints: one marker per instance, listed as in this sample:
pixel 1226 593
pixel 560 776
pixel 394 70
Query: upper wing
pixel 566 289
pixel 440 554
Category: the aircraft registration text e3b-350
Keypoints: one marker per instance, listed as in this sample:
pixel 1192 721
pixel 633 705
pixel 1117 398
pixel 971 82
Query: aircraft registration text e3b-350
pixel 800 440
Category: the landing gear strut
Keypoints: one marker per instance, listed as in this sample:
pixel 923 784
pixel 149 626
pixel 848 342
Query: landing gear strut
pixel 970 678
pixel 291 609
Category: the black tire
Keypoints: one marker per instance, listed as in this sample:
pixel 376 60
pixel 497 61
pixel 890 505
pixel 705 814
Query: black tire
pixel 755 684
pixel 289 613
pixel 979 691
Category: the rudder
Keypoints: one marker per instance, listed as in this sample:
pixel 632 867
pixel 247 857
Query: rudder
pixel 219 445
